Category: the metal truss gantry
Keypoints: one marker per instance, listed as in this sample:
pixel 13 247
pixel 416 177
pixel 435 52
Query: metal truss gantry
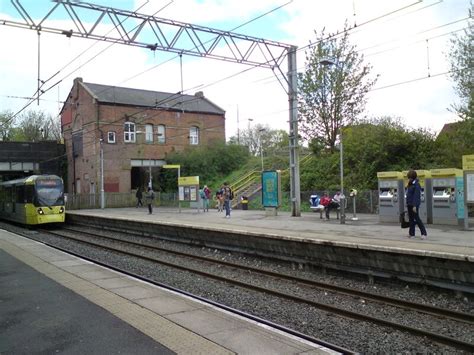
pixel 156 33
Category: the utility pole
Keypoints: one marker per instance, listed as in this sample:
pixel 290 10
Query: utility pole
pixel 102 194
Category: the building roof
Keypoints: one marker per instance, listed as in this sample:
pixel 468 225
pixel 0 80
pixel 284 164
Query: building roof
pixel 146 98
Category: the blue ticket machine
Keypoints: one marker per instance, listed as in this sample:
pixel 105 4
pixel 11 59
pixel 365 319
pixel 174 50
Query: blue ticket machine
pixel 448 196
pixel 391 195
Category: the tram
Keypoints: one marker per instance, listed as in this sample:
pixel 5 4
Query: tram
pixel 33 200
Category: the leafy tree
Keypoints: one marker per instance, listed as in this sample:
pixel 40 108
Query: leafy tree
pixel 7 126
pixel 332 90
pixel 384 144
pixel 209 163
pixel 454 141
pixel 461 60
pixel 36 126
pixel 272 141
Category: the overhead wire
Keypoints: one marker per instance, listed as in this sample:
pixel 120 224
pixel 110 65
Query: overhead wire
pixel 370 21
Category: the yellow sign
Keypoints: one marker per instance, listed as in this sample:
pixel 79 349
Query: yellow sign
pixel 167 166
pixel 188 180
pixel 468 162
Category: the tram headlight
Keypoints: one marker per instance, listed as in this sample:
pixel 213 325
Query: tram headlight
pixel 40 211
pixel 61 209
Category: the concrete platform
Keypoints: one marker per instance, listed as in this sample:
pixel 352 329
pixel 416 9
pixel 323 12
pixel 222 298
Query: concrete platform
pixel 365 246
pixel 366 232
pixel 53 302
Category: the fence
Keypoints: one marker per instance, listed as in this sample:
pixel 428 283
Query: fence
pixel 117 200
pixel 366 201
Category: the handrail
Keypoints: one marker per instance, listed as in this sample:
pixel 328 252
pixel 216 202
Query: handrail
pixel 243 178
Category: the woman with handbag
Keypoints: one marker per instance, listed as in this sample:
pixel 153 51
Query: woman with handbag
pixel 413 200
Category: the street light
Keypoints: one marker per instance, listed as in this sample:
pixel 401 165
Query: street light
pixel 102 194
pixel 260 141
pixel 330 62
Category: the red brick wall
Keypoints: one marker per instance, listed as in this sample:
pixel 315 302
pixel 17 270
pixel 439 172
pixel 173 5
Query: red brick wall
pixel 81 112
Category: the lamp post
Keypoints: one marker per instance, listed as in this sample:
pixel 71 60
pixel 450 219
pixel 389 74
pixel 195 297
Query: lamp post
pixel 330 62
pixel 102 195
pixel 261 145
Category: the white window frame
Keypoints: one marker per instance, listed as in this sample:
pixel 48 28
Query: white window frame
pixel 161 133
pixel 111 137
pixel 194 135
pixel 129 132
pixel 149 133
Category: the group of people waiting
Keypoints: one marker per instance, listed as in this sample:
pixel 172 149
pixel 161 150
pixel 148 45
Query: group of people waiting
pixel 223 197
pixel 327 203
pixel 149 197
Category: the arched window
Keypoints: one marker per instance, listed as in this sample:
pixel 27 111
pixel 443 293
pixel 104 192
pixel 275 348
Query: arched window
pixel 161 132
pixel 149 133
pixel 129 133
pixel 194 135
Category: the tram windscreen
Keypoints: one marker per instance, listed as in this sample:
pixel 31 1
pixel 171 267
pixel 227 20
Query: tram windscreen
pixel 49 192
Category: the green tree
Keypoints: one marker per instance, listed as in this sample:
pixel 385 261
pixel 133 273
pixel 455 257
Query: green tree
pixel 384 144
pixel 461 60
pixel 211 164
pixel 332 90
pixel 34 126
pixel 270 140
pixel 7 126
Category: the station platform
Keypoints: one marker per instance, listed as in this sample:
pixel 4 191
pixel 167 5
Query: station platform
pixel 363 246
pixel 365 232
pixel 52 302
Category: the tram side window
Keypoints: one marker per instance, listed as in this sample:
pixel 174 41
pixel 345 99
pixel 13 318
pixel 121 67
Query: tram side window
pixel 29 193
pixel 20 194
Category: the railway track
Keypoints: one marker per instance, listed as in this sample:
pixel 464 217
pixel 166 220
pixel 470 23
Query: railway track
pixel 465 320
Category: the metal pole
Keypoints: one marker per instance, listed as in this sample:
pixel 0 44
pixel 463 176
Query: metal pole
pixel 343 197
pixel 295 198
pixel 179 201
pixel 150 185
pixel 102 195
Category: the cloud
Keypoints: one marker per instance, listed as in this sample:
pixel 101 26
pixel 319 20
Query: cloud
pixel 395 45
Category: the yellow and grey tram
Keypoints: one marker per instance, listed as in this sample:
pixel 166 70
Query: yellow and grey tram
pixel 33 200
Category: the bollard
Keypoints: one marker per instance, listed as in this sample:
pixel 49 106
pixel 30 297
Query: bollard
pixel 353 194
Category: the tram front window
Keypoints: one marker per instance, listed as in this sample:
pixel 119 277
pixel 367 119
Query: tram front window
pixel 49 193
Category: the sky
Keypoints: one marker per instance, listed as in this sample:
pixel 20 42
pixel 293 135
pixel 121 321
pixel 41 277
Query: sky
pixel 407 43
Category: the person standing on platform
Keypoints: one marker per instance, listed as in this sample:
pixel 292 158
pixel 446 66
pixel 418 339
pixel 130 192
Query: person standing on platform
pixel 326 202
pixel 206 195
pixel 150 197
pixel 220 199
pixel 413 201
pixel 228 196
pixel 139 196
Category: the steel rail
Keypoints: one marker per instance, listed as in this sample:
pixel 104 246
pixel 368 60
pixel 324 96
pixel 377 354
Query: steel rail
pixel 456 343
pixel 414 306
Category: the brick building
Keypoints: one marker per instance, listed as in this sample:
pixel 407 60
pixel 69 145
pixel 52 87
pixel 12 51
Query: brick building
pixel 137 128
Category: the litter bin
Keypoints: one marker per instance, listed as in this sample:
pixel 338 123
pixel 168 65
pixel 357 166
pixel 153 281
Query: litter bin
pixel 244 202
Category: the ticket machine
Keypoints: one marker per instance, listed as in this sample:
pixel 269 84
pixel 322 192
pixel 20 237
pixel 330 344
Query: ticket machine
pixel 391 195
pixel 424 178
pixel 448 196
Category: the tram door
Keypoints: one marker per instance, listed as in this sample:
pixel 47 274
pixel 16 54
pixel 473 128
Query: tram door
pixel 13 199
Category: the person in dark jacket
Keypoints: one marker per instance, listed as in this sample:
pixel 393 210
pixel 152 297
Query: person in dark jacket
pixel 413 200
pixel 139 196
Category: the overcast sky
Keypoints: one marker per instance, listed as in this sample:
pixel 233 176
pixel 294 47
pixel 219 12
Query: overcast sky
pixel 406 42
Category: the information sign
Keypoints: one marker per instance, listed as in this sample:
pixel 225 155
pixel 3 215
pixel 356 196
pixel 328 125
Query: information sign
pixel 271 188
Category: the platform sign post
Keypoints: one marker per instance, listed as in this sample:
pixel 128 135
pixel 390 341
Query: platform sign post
pixel 468 169
pixel 189 189
pixel 271 191
pixel 175 166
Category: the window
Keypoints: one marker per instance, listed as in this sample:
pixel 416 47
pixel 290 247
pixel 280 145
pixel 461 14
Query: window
pixel 194 135
pixel 161 132
pixel 129 133
pixel 149 133
pixel 111 137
